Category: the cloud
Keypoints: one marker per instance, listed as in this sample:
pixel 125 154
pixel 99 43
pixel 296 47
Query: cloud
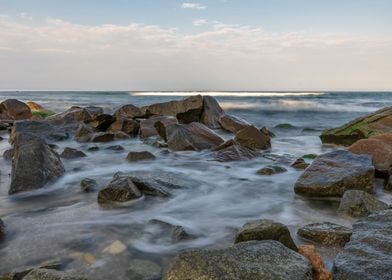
pixel 25 16
pixel 200 22
pixel 195 6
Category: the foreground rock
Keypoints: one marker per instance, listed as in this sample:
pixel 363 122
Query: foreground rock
pixel 232 151
pixel 139 156
pixel 368 254
pixel 232 123
pixel 34 164
pixel 20 273
pixel 319 270
pixel 266 230
pixel 120 189
pixel 211 112
pixel 271 170
pixel 70 153
pixel 148 126
pixel 253 138
pixel 328 234
pixel 367 126
pixel 13 109
pixel 331 174
pixel 246 260
pixel 50 274
pixel 8 154
pixel 359 204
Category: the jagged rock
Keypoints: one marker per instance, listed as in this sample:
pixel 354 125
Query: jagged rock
pixel 331 174
pixel 211 112
pixel 34 164
pixel 144 270
pixel 120 189
pixel 88 185
pixel 50 274
pixel 271 170
pixel 102 122
pixel 359 204
pixel 8 154
pixel 232 123
pixel 13 109
pixel 253 138
pixel 300 163
pixel 128 112
pixel 148 128
pixel 326 233
pixel 320 272
pixel 232 151
pixel 70 153
pixel 138 156
pixel 127 126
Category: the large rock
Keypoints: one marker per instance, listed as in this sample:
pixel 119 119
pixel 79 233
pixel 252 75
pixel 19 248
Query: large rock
pixel 12 109
pixel 331 174
pixel 359 204
pixel 128 126
pixel 253 138
pixel 232 123
pixel 320 272
pixel 367 126
pixel 368 254
pixel 232 151
pixel 120 189
pixel 246 260
pixel 50 274
pixel 74 115
pixel 148 126
pixel 211 112
pixel 266 230
pixel 128 111
pixel 34 164
pixel 328 234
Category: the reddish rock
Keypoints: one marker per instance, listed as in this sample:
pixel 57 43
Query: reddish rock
pixel 34 107
pixel 232 123
pixel 232 151
pixel 253 138
pixel 12 109
pixel 319 270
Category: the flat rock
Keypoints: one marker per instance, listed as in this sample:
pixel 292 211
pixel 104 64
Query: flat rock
pixel 71 153
pixel 144 270
pixel 211 112
pixel 232 123
pixel 115 148
pixel 120 189
pixel 331 174
pixel 148 129
pixel 13 109
pixel 253 138
pixel 271 170
pixel 232 151
pixel 50 274
pixel 326 233
pixel 128 111
pixel 139 156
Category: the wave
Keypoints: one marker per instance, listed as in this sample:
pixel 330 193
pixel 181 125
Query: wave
pixel 225 93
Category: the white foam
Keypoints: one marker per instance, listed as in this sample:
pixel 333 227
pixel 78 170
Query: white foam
pixel 224 93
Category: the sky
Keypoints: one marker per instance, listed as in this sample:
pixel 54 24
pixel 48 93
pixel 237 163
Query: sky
pixel 226 45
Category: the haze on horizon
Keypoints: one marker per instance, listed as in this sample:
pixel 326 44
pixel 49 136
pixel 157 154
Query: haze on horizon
pixel 227 45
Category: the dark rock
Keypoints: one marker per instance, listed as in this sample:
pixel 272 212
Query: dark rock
pixel 102 137
pixel 88 185
pixel 128 126
pixel 388 184
pixel 8 154
pixel 144 270
pixel 368 254
pixel 331 174
pixel 50 274
pixel 232 151
pixel 128 112
pixel 138 156
pixel 326 233
pixel 359 204
pixel 148 129
pixel 246 260
pixel 232 123
pixel 266 230
pixel 93 148
pixel 300 163
pixel 13 109
pixel 271 170
pixel 102 122
pixel 285 126
pixel 70 153
pixel 211 112
pixel 84 133
pixel 74 115
pixel 119 135
pixel 115 148
pixel 253 138
pixel 120 189
pixel 2 230
pixel 163 229
pixel 34 164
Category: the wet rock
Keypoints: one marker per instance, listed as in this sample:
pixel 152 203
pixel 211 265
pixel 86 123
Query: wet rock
pixel 120 189
pixel 331 174
pixel 70 153
pixel 34 107
pixel 34 164
pixel 117 247
pixel 367 126
pixel 102 137
pixel 102 122
pixel 319 270
pixel 115 148
pixel 72 117
pixel 119 135
pixel 128 126
pixel 253 138
pixel 326 233
pixel 49 274
pixel 144 270
pixel 128 111
pixel 357 204
pixel 94 111
pixel 148 129
pixel 232 123
pixel 93 149
pixel 300 163
pixel 271 170
pixel 211 112
pixel 8 154
pixel 232 151
pixel 246 260
pixel 368 254
pixel 266 230
pixel 84 133
pixel 88 185
pixel 163 229
pixel 2 230
pixel 138 156
pixel 285 126
pixel 20 273
pixel 388 184
pixel 13 109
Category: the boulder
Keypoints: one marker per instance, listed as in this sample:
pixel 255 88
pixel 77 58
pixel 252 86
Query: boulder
pixel 333 173
pixel 367 126
pixel 84 132
pixel 326 233
pixel 50 274
pixel 88 185
pixel 102 122
pixel 34 164
pixel 246 260
pixel 165 230
pixel 70 153
pixel 368 254
pixel 271 170
pixel 232 123
pixel 127 126
pixel 120 189
pixel 265 230
pixel 211 112
pixel 319 270
pixel 232 151
pixel 72 117
pixel 300 163
pixel 128 111
pixel 139 156
pixel 8 154
pixel 13 109
pixel 148 126
pixel 143 270
pixel 253 138
pixel 359 204
pixel 102 137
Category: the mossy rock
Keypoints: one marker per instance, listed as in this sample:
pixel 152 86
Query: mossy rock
pixel 310 156
pixel 43 114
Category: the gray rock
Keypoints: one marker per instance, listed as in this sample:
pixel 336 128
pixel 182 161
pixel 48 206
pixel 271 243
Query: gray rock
pixel 49 274
pixel 232 151
pixel 359 204
pixel 174 233
pixel 72 117
pixel 148 126
pixel 128 111
pixel 84 132
pixel 88 185
pixel 144 270
pixel 331 174
pixel 326 233
pixel 232 123
pixel 271 170
pixel 368 254
pixel 268 260
pixel 211 112
pixel 266 230
pixel 34 164
pixel 139 156
pixel 300 163
pixel 115 148
pixel 70 153
pixel 8 154
pixel 120 189
pixel 253 138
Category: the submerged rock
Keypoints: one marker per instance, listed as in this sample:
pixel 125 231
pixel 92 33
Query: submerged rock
pixel 232 151
pixel 271 170
pixel 232 123
pixel 88 185
pixel 128 111
pixel 246 260
pixel 331 174
pixel 8 154
pixel 50 274
pixel 117 247
pixel 163 229
pixel 211 112
pixel 20 273
pixel 115 148
pixel 144 270
pixel 102 137
pixel 148 126
pixel 300 163
pixel 319 270
pixel 368 254
pixel 253 138
pixel 70 153
pixel 13 109
pixel 130 127
pixel 139 156
pixel 326 233
pixel 120 189
pixel 34 164
pixel 359 204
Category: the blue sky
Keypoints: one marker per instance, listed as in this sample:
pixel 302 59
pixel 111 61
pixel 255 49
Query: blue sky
pixel 196 45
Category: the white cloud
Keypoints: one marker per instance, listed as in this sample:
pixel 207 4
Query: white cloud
pixel 200 22
pixel 195 6
pixel 25 16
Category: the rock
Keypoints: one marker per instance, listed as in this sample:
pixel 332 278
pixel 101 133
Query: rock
pixel 102 137
pixel 70 153
pixel 88 185
pixel 115 148
pixel 119 135
pixel 265 230
pixel 12 109
pixel 74 115
pixel 232 151
pixel 20 273
pixel 285 126
pixel 271 170
pixel 333 173
pixel 319 270
pixel 144 270
pixel 89 258
pixel 34 107
pixel 117 247
pixel 326 233
pixel 310 156
pixel 130 127
pixel 193 136
pixel 84 133
pixel 388 184
pixel 128 112
pixel 138 156
pixel 357 204
pixel 2 230
pixel 186 111
pixel 367 126
pixel 300 163
pixel 232 123
pixel 148 129
pixel 102 122
pixel 120 189
pixel 8 154
pixel 379 148
pixel 34 164
pixel 246 260
pixel 163 229
pixel 50 274
pixel 43 129
pixel 253 138
pixel 211 112
pixel 368 254
pixel 93 149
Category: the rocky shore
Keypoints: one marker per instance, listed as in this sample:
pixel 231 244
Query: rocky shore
pixel 263 248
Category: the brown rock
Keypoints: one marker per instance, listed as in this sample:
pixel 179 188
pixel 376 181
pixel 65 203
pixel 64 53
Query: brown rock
pixel 232 123
pixel 211 112
pixel 147 127
pixel 102 122
pixel 300 163
pixel 232 151
pixel 72 116
pixel 34 107
pixel 319 270
pixel 128 112
pixel 120 189
pixel 253 138
pixel 138 156
pixel 70 153
pixel 101 137
pixel 130 127
pixel 12 109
